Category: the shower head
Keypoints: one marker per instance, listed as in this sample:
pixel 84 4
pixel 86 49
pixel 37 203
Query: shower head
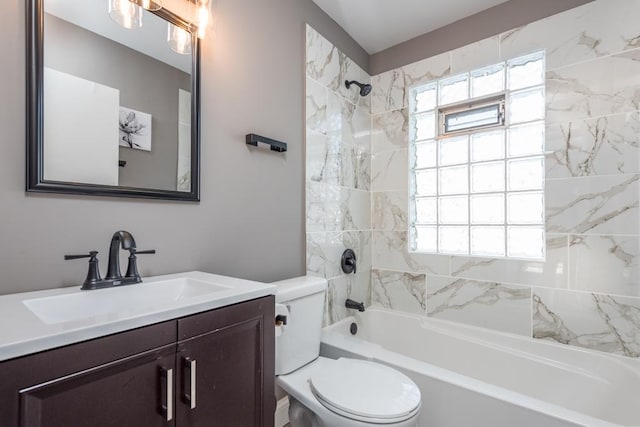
pixel 365 89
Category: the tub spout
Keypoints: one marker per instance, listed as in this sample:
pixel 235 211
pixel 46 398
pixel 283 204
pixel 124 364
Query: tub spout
pixel 349 303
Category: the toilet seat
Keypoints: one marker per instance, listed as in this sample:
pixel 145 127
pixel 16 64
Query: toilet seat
pixel 366 391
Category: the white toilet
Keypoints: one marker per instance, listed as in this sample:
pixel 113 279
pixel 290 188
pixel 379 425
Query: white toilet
pixel 333 393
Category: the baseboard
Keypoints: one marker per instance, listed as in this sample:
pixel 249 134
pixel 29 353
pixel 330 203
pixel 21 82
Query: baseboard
pixel 282 412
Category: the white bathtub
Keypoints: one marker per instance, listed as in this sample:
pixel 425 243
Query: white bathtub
pixel 471 377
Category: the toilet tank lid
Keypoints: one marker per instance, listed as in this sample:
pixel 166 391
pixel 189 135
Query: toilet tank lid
pixel 299 287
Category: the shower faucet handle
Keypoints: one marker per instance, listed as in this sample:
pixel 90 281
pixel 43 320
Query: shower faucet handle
pixel 348 262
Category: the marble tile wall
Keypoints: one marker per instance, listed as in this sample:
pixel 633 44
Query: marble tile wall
pixel 338 174
pixel 587 292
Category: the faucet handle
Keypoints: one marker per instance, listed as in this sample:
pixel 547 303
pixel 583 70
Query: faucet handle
pixel 348 262
pixel 137 252
pixel 93 275
pixel 132 268
pixel 91 254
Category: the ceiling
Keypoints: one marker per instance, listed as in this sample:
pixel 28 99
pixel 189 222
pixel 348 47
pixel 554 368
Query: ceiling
pixel 379 24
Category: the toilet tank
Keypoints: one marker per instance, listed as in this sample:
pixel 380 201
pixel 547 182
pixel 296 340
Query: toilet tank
pixel 298 342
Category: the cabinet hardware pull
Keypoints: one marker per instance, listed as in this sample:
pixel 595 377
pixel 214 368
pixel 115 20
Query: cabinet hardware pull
pixel 167 406
pixel 190 364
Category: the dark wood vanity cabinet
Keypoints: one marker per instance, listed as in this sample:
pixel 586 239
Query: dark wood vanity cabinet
pixel 211 369
pixel 123 393
pixel 234 381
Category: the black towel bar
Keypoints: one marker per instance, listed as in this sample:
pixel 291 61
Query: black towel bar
pixel 253 139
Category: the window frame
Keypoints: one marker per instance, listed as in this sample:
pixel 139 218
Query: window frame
pixel 471 105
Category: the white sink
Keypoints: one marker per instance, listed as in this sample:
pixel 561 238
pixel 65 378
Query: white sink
pixel 53 318
pixel 143 297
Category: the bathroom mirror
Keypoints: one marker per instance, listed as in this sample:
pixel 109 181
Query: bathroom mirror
pixel 111 111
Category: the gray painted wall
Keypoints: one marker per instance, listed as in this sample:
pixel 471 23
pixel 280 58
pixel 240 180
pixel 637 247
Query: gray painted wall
pixel 490 22
pixel 250 222
pixel 153 89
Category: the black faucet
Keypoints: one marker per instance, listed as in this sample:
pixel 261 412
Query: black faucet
pixel 349 303
pixel 121 239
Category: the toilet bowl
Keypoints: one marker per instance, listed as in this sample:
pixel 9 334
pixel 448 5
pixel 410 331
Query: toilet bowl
pixel 333 393
pixel 350 392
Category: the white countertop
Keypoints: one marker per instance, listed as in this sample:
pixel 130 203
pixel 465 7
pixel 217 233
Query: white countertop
pixel 24 331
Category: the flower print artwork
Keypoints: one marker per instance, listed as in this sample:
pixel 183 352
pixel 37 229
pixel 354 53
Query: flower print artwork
pixel 135 129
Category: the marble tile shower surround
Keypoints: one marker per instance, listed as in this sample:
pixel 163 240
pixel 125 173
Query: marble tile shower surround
pixel 484 304
pixel 594 146
pixel 338 174
pixel 587 291
pixel 392 289
pixel 596 321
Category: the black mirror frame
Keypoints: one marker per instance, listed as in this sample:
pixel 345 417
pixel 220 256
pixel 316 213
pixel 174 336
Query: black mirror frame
pixel 35 119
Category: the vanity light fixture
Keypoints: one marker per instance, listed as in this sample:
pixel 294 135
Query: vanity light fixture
pixel 179 40
pixel 202 18
pixel 126 13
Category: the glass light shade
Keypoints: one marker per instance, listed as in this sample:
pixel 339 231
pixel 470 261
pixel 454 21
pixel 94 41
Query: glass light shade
pixel 179 40
pixel 152 5
pixel 204 17
pixel 126 13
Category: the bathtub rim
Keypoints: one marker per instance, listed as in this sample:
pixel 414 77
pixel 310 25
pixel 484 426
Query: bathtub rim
pixel 359 347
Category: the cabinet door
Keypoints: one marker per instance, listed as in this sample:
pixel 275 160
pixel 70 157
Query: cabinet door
pixel 134 392
pixel 55 374
pixel 226 374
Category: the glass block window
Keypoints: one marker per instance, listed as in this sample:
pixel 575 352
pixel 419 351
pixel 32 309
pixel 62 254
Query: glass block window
pixel 477 162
